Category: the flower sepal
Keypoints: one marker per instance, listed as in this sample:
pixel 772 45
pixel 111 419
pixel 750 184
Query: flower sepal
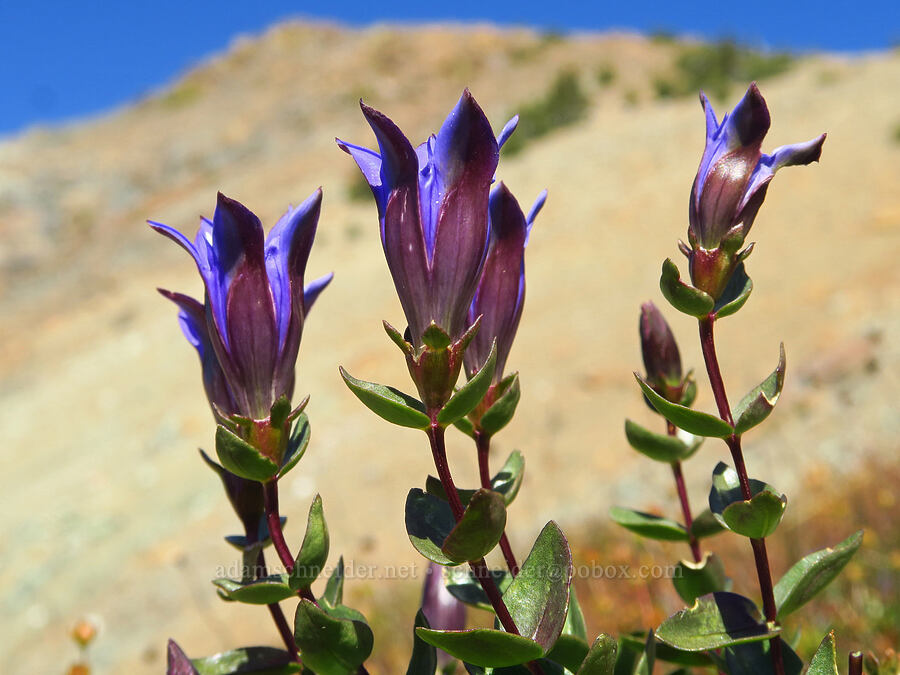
pixel 436 364
pixel 497 407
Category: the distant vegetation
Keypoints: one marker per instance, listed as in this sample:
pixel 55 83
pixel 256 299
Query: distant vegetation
pixel 563 104
pixel 717 67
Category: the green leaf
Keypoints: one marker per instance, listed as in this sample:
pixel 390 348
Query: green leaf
pixel 465 426
pixel 397 339
pixel 714 621
pixel 680 295
pixel 429 521
pixel 389 403
pixel 706 525
pixel 736 293
pixel 241 458
pixel 569 651
pixel 260 660
pixel 297 444
pixel 824 661
pixel 539 595
pixel 436 337
pixel 501 412
pixel 758 403
pixel 812 574
pixel 648 525
pixel 659 447
pixel 755 518
pixel 480 528
pixel 263 591
pixel 482 647
pixel 648 658
pixel 601 659
pixel 330 645
pixel 692 580
pixel 334 587
pixel 241 543
pixel 314 549
pixel 755 658
pixel 575 618
pixel 423 660
pixel 636 642
pixel 470 394
pixel 692 421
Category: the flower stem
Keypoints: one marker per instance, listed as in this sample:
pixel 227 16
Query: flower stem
pixel 685 504
pixel 483 445
pixel 273 518
pixel 760 555
pixel 479 567
pixel 278 616
pixel 856 663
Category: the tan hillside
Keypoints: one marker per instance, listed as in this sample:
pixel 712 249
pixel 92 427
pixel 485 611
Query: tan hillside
pixel 107 509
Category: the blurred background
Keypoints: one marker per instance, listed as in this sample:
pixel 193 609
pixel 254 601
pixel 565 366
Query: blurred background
pixel 113 114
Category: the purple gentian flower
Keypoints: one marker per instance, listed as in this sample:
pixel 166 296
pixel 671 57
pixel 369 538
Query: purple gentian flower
pixel 660 352
pixel 501 290
pixel 255 304
pixel 433 210
pixel 734 174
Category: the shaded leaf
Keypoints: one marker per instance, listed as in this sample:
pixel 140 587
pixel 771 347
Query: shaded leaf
pixel 470 394
pixel 755 658
pixel 813 573
pixel 334 587
pixel 601 659
pixel 759 402
pixel 265 591
pixel 692 421
pixel 389 403
pixel 569 651
pixel 637 641
pixel 501 412
pixel 297 444
pixel 714 621
pixel 648 525
pixel 463 586
pixel 429 520
pixel 506 481
pixel 575 617
pixel 706 525
pixel 692 580
pixel 423 660
pixel 755 518
pixel 681 296
pixel 539 595
pixel 736 293
pixel 261 660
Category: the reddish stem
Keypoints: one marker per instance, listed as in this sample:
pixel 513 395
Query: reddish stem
pixel 760 555
pixel 483 445
pixel 277 615
pixel 686 510
pixel 856 663
pixel 273 518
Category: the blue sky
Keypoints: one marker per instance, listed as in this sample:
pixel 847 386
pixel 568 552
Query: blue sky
pixel 65 59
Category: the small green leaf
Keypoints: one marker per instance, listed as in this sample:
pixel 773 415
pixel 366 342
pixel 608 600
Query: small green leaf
pixel 648 658
pixel 569 651
pixel 429 520
pixel 397 339
pixel 824 661
pixel 334 587
pixel 436 337
pixel 736 293
pixel 241 543
pixel 506 481
pixel 423 660
pixel 692 421
pixel 706 525
pixel 463 586
pixel 434 487
pixel 470 394
pixel 680 295
pixel 601 659
pixel 714 621
pixel 539 595
pixel 755 518
pixel 755 658
pixel 297 444
pixel 659 447
pixel 263 591
pixel 241 458
pixel 482 647
pixel 648 525
pixel 389 403
pixel 314 549
pixel 812 574
pixel 279 411
pixel 692 580
pixel 757 404
pixel 260 660
pixel 465 426
pixel 479 530
pixel 501 412
pixel 331 645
